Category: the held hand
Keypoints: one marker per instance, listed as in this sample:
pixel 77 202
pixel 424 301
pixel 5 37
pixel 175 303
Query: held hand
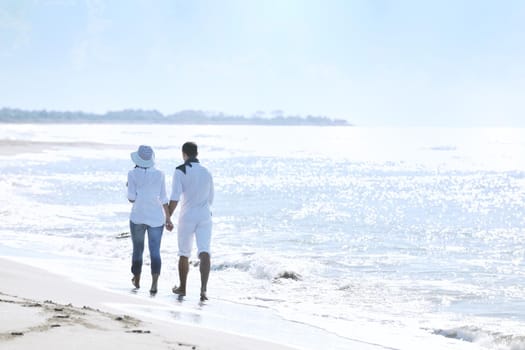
pixel 169 225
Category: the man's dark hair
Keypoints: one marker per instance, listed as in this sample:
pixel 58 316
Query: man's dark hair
pixel 190 148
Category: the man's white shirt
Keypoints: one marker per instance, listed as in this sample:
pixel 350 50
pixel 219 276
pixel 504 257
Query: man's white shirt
pixel 193 190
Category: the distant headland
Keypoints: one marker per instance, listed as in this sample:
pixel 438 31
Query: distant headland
pixel 138 116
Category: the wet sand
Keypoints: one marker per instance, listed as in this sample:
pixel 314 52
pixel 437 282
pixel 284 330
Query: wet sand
pixel 42 310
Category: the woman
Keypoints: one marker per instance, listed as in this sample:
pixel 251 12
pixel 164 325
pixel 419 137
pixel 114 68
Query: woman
pixel 147 192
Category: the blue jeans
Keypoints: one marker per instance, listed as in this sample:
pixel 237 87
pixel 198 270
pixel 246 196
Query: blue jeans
pixel 138 231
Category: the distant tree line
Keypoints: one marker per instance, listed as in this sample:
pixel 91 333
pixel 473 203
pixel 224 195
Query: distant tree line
pixel 11 115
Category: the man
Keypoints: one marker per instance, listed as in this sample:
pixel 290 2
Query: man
pixel 193 188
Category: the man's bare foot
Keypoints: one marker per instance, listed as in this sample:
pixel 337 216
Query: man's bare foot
pixel 203 296
pixel 136 281
pixel 179 291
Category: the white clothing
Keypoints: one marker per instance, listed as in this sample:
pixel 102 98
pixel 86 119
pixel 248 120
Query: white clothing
pixel 202 232
pixel 147 190
pixel 192 188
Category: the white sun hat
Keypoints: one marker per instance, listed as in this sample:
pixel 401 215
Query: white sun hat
pixel 144 157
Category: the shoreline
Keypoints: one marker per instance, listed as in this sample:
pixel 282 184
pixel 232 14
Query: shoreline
pixel 164 314
pixel 56 312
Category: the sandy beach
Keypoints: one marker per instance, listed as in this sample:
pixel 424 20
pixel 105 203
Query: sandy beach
pixel 38 308
pixel 14 147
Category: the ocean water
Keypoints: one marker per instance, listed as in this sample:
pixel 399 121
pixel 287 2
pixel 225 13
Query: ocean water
pixel 397 238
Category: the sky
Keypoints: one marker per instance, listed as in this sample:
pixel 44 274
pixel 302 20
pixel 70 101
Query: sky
pixel 371 62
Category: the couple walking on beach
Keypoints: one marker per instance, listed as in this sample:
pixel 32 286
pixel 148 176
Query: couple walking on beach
pixel 192 187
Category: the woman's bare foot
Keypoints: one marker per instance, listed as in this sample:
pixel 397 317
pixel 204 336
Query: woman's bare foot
pixel 179 291
pixel 203 296
pixel 153 289
pixel 154 281
pixel 136 281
